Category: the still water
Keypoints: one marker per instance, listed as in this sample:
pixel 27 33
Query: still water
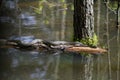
pixel 50 20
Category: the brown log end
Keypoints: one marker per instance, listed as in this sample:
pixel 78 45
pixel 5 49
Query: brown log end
pixel 86 50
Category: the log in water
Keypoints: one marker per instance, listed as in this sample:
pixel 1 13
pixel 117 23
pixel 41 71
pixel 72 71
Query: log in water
pixel 39 45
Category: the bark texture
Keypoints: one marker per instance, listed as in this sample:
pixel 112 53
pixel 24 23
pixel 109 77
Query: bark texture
pixel 83 19
pixel 83 28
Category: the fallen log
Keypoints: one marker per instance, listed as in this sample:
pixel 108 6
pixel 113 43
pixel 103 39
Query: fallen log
pixel 39 45
pixel 86 50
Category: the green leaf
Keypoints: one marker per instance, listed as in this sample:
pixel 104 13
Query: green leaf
pixel 63 1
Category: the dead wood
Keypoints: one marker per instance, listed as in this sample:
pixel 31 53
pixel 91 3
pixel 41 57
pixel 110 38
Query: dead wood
pixel 54 45
pixel 86 50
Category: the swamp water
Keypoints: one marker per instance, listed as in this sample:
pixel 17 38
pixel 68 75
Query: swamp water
pixel 26 18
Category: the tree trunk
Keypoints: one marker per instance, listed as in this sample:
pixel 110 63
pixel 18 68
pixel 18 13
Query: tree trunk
pixel 83 28
pixel 83 19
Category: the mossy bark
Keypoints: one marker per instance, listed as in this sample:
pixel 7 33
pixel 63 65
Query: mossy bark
pixel 83 29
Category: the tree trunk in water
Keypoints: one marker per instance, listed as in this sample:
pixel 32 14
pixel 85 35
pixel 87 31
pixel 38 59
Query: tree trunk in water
pixel 83 19
pixel 83 28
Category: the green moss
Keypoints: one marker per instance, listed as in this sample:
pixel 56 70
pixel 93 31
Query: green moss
pixel 90 41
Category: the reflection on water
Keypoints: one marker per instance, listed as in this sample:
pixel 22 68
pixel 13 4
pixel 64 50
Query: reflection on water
pixel 54 22
pixel 28 20
pixel 19 65
pixel 23 39
pixel 10 4
pixel 5 19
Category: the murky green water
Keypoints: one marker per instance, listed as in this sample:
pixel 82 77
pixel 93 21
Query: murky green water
pixel 51 21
